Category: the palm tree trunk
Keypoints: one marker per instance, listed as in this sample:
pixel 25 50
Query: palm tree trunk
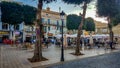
pixel 77 51
pixel 111 34
pixel 38 46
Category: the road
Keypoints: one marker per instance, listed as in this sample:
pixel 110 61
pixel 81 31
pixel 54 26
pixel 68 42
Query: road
pixel 111 60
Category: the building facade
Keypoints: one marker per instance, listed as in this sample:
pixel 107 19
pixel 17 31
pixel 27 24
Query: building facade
pixel 116 30
pixel 101 28
pixel 51 22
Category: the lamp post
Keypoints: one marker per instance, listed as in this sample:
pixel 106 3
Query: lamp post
pixel 62 14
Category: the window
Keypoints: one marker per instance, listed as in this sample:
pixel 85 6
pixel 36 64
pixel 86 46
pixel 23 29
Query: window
pixel 45 29
pixel 4 26
pixel 57 24
pixel 48 28
pixel 43 20
pixel 104 30
pixel 48 21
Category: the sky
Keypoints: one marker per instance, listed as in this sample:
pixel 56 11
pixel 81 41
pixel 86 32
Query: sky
pixel 67 8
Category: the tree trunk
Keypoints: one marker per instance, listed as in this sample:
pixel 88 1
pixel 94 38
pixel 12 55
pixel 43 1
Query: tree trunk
pixel 77 51
pixel 111 34
pixel 39 34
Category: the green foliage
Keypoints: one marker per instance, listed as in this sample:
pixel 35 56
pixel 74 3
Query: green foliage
pixel 14 13
pixel 11 13
pixel 116 20
pixel 76 2
pixel 89 24
pixel 107 8
pixel 73 21
pixel 29 14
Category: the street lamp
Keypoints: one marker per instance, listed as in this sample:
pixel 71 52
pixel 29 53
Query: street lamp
pixel 62 15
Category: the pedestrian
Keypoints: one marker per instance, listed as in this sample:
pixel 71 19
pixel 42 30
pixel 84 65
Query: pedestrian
pixel 85 42
pixel 105 43
pixel 94 41
pixel 68 40
pixel 111 44
pixel 46 43
pixel 98 43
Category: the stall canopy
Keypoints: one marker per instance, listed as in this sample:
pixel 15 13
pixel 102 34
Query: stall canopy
pixel 60 35
pixel 67 35
pixel 85 36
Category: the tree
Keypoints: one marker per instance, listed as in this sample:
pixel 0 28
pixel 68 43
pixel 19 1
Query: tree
pixel 116 20
pixel 108 10
pixel 29 14
pixel 79 2
pixel 73 21
pixel 39 33
pixel 89 24
pixel 11 13
pixel 14 13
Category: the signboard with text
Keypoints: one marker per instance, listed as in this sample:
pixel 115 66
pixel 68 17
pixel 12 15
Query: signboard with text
pixel 4 32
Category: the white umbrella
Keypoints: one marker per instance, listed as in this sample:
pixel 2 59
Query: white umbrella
pixel 91 39
pixel 58 36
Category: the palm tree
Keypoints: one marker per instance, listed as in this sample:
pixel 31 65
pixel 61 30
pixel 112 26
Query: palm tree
pixel 79 2
pixel 39 33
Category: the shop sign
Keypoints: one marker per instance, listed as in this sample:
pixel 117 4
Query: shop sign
pixel 4 32
pixel 30 31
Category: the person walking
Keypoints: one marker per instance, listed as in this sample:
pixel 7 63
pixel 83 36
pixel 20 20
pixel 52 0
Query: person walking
pixel 47 42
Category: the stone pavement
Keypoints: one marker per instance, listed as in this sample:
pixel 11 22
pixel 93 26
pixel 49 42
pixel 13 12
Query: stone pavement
pixel 12 57
pixel 111 60
pixel 54 55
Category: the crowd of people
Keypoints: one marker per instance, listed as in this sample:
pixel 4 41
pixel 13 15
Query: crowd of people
pixel 97 42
